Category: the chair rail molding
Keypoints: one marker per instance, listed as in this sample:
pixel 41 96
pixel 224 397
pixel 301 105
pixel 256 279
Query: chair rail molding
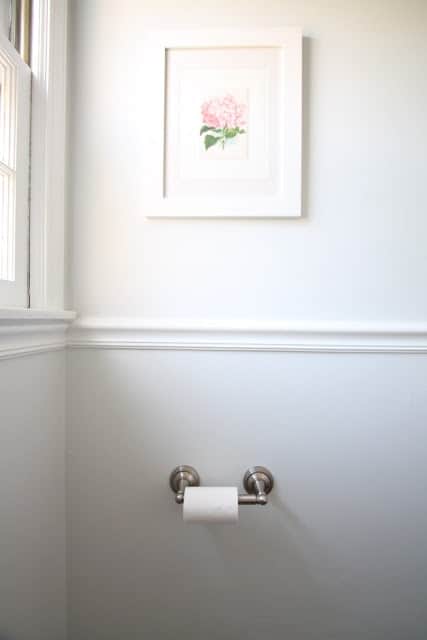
pixel 203 335
pixel 25 332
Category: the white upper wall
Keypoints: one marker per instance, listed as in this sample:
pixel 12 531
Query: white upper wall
pixel 359 254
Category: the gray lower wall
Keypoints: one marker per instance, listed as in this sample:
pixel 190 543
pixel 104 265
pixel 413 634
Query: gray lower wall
pixel 32 498
pixel 341 553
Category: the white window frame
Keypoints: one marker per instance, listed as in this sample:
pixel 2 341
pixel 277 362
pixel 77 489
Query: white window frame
pixel 46 289
pixel 48 147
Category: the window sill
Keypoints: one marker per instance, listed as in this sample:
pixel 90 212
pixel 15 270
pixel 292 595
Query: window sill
pixel 17 315
pixel 30 331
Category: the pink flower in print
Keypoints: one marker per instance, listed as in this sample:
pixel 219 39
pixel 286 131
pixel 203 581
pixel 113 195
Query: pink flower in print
pixel 224 112
pixel 222 120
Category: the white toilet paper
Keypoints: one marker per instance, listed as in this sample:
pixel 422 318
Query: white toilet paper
pixel 211 504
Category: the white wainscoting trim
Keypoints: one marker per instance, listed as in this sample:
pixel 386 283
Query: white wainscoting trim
pixel 160 334
pixel 27 331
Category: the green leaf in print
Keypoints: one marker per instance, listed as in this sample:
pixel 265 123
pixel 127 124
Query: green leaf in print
pixel 205 128
pixel 210 141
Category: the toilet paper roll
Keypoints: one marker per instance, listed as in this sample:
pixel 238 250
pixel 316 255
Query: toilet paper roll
pixel 211 504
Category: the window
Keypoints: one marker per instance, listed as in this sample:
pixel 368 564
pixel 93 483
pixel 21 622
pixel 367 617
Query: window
pixel 15 82
pixel 43 25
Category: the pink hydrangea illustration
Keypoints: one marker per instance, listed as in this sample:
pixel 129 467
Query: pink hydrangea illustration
pixel 222 120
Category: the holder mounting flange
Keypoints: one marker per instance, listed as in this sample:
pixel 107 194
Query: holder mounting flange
pixel 182 476
pixel 255 475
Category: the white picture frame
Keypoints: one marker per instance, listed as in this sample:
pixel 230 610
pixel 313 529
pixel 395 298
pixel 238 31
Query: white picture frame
pixel 249 170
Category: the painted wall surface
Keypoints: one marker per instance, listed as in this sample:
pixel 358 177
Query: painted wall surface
pixel 32 498
pixel 359 252
pixel 342 551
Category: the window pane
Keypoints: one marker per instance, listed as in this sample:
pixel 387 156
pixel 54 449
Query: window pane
pixel 7 103
pixel 7 226
pixel 15 83
pixel 2 112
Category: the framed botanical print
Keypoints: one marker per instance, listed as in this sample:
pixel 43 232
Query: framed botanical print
pixel 225 116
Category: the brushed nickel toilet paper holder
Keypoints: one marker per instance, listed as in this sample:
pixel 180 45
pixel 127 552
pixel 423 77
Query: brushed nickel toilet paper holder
pixel 257 481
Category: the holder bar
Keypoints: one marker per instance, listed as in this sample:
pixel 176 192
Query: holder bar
pixel 258 482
